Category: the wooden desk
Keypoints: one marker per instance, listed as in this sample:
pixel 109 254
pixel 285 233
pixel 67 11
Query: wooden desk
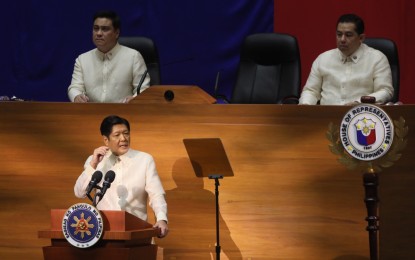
pixel 181 95
pixel 289 198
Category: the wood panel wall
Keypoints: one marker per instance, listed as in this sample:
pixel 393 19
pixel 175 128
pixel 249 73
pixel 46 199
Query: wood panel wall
pixel 288 199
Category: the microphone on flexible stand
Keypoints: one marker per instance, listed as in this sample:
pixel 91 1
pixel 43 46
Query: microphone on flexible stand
pixel 217 83
pixel 141 82
pixel 95 179
pixel 108 179
pixel 221 97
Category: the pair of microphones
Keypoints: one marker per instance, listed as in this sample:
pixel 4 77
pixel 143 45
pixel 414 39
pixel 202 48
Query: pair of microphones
pixel 93 184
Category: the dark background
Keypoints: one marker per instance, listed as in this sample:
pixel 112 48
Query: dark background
pixel 195 39
pixel 41 40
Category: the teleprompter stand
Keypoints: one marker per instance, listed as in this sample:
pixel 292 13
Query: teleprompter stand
pixel 209 159
pixel 216 177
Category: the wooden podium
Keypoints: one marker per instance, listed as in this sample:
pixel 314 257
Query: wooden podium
pixel 125 237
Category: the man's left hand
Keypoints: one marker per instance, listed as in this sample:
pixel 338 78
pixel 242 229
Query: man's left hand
pixel 164 229
pixel 127 99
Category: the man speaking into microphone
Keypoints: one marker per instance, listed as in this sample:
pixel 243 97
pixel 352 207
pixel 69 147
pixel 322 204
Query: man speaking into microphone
pixel 136 178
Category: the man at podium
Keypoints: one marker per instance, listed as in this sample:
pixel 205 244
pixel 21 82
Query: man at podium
pixel 136 177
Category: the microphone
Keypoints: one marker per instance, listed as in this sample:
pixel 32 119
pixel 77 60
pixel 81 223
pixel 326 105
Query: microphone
pixel 169 95
pixel 141 82
pixel 216 84
pixel 108 179
pixel 95 179
pixel 221 97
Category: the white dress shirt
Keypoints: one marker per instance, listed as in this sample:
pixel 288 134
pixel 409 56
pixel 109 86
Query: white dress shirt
pixel 108 77
pixel 337 80
pixel 136 179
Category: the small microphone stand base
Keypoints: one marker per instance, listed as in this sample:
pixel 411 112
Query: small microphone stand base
pixel 97 196
pixel 97 199
pixel 216 177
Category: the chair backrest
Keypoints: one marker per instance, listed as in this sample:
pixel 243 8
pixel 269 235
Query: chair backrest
pixel 389 48
pixel 269 70
pixel 147 48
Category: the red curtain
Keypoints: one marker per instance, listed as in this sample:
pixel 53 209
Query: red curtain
pixel 314 25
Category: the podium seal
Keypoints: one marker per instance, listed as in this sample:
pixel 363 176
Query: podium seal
pixel 367 138
pixel 82 225
pixel 366 132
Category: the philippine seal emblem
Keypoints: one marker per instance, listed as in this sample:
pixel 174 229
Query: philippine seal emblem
pixel 367 138
pixel 366 132
pixel 82 225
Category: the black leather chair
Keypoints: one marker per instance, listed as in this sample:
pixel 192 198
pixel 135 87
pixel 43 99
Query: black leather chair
pixel 147 48
pixel 389 48
pixel 269 70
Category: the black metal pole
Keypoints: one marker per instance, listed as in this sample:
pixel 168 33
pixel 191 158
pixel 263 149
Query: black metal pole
pixel 217 219
pixel 371 182
pixel 217 177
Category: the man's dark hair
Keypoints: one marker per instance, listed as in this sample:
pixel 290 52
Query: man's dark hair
pixel 111 15
pixel 352 18
pixel 110 121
